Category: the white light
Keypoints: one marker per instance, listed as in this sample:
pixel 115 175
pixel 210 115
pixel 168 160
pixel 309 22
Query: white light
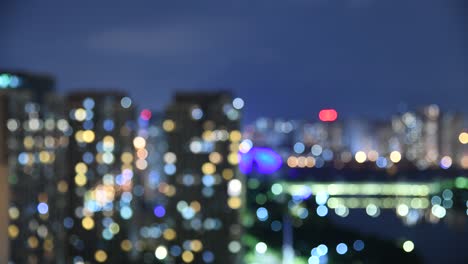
pixel 234 187
pixel 245 146
pixel 238 103
pixel 160 252
pixel 261 248
pixel 126 102
pixel 408 246
pixel 402 210
pixel 197 113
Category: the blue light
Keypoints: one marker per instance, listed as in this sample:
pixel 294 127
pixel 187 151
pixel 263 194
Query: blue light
pixel 321 198
pixel 327 155
pixel 169 169
pixel 208 256
pixel 265 161
pixel 88 125
pixel 322 250
pixel 88 157
pixel 175 251
pixel 299 147
pixel 341 248
pixel 381 162
pixel 23 158
pixel 42 208
pixel 68 222
pixel 358 245
pixel 108 125
pixel 126 212
pixel 322 210
pixel 208 180
pixel 107 234
pixel 313 260
pixel 262 214
pixel 276 226
pixel 88 103
pixel 159 211
pixel 14 81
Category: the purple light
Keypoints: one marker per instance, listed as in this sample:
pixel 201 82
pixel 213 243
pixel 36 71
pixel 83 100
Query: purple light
pixel 159 211
pixel 264 160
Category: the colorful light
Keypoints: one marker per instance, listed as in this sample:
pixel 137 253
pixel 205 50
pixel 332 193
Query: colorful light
pixel 328 115
pixel 145 114
pixel 265 161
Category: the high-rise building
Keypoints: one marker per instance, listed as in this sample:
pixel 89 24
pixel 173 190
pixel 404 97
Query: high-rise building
pixel 33 140
pixel 204 188
pixel 151 181
pixel 101 192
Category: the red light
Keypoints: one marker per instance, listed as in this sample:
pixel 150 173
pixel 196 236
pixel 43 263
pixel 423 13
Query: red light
pixel 328 115
pixel 145 114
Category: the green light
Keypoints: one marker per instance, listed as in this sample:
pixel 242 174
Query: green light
pixel 8 81
pixel 4 80
pixel 461 182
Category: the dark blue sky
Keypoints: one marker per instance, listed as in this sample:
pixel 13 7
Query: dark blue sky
pixel 286 58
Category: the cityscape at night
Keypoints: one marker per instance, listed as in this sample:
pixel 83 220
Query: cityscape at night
pixel 209 133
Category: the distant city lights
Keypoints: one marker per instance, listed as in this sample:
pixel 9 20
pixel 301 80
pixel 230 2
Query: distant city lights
pixel 328 115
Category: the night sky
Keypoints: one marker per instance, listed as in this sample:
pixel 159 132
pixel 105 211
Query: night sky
pixel 286 58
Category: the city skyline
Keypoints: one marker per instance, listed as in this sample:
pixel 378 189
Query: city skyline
pixel 234 132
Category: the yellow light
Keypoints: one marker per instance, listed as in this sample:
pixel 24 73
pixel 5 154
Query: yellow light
pixel 463 138
pixel 196 206
pixel 142 153
pixel 62 186
pixel 169 234
pixel 80 179
pixel 141 164
pixel 208 135
pixel 14 213
pixel 80 114
pixel 88 136
pixel 87 223
pixel 187 256
pixel 228 174
pixel 79 136
pixel 196 245
pixel 100 256
pixel 360 157
pixel 168 125
pixel 234 202
pixel 310 162
pixel 301 162
pixel 48 245
pixel 81 168
pixel 233 158
pixel 215 157
pixel 114 228
pixel 28 142
pixel 395 156
pixel 208 168
pixel 13 231
pixel 292 162
pixel 44 157
pixel 408 246
pixel 235 136
pixel 126 157
pixel 33 242
pixel 126 245
pixel 464 162
pixel 139 142
pixel 372 155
